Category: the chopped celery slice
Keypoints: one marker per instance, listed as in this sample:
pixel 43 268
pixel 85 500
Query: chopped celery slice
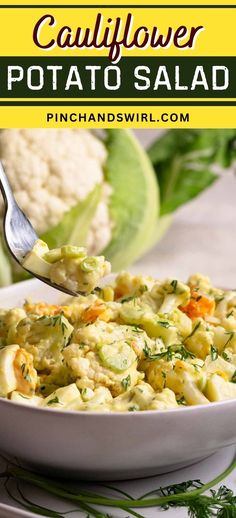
pixel 118 357
pixel 53 255
pixel 71 251
pixel 89 264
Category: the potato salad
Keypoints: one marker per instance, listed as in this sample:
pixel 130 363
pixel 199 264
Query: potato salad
pixel 67 266
pixel 136 344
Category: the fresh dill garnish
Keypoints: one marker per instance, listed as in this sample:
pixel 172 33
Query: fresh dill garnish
pixel 97 290
pixel 214 353
pixel 58 320
pixel 146 349
pixel 21 395
pixel 231 335
pixel 164 323
pixel 27 377
pixel 53 401
pixel 132 409
pixel 220 503
pixel 126 382
pixel 230 313
pixel 174 285
pixel 193 331
pixel 233 379
pixel 143 288
pixel 219 299
pixel 25 372
pixel 82 345
pixel 178 351
pixel 181 401
pixel 22 367
pixel 225 356
pixel 128 299
pixel 136 329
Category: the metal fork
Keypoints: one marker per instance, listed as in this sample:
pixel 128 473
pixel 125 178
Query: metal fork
pixel 19 234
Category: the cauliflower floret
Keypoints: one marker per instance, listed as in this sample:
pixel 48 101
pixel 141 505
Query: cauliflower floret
pixel 44 337
pixel 8 322
pixel 55 376
pixel 13 316
pixel 79 275
pixel 128 285
pixel 199 281
pixel 112 332
pixel 202 283
pixel 107 353
pixel 60 167
pixel 156 372
pixel 170 294
pixel 90 371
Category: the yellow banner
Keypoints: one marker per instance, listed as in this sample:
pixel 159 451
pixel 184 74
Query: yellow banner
pixel 209 30
pixel 132 63
pixel 118 117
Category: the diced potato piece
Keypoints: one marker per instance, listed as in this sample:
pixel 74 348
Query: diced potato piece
pixel 219 366
pixel 193 395
pixel 62 397
pixel 217 389
pixel 164 400
pixel 100 402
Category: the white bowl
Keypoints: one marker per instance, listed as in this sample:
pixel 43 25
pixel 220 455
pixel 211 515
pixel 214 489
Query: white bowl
pixel 108 446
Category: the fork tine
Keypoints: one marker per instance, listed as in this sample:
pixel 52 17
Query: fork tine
pixel 19 234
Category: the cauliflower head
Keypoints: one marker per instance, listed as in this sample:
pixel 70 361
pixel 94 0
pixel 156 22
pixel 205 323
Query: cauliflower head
pixel 59 167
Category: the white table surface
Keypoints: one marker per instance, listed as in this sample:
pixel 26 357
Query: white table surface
pixel 205 470
pixel 202 237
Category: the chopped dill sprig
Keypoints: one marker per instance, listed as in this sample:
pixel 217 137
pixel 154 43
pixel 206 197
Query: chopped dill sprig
pixel 190 494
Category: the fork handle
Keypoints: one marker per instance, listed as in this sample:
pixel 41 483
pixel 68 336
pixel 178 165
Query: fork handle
pixel 5 187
